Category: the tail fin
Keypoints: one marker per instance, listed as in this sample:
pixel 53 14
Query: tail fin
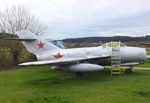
pixel 33 43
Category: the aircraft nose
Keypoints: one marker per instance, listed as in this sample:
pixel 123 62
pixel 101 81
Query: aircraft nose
pixel 133 54
pixel 148 57
pixel 142 54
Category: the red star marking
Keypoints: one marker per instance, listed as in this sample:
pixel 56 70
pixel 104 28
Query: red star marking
pixel 58 55
pixel 41 45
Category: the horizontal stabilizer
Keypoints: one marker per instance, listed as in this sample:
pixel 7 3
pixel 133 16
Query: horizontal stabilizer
pixel 17 39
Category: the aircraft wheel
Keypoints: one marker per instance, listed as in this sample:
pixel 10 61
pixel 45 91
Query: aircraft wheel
pixel 129 70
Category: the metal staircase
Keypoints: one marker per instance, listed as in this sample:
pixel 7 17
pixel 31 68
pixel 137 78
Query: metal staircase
pixel 115 59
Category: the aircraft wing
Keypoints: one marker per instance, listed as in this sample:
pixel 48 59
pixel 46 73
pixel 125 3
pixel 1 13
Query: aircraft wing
pixel 64 60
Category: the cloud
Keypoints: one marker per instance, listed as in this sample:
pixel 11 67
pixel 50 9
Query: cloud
pixel 81 18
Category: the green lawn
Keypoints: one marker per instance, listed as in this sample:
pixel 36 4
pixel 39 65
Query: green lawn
pixel 42 85
pixel 146 64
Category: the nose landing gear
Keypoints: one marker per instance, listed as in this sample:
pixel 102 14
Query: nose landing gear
pixel 78 74
pixel 130 69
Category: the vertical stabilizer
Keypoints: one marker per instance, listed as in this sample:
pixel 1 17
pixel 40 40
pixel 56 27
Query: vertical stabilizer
pixel 33 43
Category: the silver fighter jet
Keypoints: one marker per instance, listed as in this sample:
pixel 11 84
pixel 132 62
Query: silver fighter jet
pixel 77 60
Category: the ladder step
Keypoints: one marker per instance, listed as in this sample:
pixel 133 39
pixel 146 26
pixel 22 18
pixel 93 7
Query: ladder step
pixel 116 73
pixel 113 54
pixel 115 62
pixel 115 58
pixel 114 66
pixel 115 69
pixel 115 49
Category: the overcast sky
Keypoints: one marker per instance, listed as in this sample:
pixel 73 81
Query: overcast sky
pixel 86 18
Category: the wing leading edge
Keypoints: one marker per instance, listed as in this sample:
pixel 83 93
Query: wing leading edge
pixel 63 60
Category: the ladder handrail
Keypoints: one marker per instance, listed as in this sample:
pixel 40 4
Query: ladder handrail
pixel 115 58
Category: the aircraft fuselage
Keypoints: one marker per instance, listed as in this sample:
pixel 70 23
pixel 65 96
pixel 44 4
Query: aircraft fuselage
pixel 128 54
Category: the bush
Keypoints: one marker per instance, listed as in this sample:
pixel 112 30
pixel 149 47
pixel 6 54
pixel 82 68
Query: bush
pixel 5 58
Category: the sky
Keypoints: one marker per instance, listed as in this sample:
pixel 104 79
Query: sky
pixel 89 18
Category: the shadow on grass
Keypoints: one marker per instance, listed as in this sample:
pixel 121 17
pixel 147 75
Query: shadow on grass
pixel 48 99
pixel 144 93
pixel 66 79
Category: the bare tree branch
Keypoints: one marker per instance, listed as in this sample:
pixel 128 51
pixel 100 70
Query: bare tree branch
pixel 15 19
pixel 18 18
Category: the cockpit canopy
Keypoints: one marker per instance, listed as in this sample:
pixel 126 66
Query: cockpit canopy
pixel 110 44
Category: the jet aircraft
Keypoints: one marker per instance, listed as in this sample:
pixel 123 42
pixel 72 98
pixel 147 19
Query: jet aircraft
pixel 77 60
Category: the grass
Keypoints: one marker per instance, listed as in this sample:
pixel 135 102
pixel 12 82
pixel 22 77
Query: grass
pixel 146 64
pixel 40 84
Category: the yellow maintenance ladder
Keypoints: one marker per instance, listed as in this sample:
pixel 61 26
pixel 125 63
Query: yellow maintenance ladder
pixel 115 59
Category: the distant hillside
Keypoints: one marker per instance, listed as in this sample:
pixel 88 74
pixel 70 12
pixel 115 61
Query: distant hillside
pixel 114 38
pixel 93 39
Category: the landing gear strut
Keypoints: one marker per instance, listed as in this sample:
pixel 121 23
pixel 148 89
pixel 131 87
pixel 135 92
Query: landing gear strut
pixel 129 70
pixel 78 74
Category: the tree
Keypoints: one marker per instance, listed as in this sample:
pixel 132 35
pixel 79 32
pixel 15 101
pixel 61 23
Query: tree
pixel 15 19
pixel 19 18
